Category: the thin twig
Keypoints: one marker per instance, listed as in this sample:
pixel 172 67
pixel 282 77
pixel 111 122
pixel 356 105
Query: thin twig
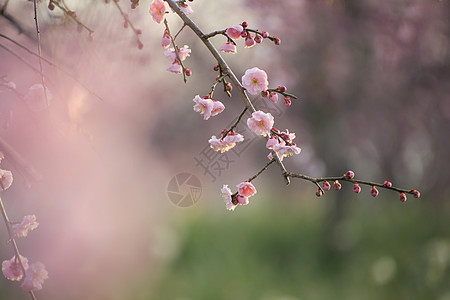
pixel 38 35
pixel 12 240
pixel 262 170
pixel 175 47
pixel 53 65
pixel 226 70
pixel 69 13
pixel 235 123
pixel 127 20
pixel 353 180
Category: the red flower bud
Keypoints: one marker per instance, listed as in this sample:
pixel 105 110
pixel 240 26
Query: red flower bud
pixel 374 191
pixel 403 197
pixel 265 34
pixel 337 185
pixel 350 174
pixel 387 184
pixel 356 188
pixel 415 193
pixel 326 185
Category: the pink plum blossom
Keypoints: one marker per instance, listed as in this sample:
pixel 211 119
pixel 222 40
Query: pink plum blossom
pixel 226 143
pixel 249 41
pixel 183 53
pixel 218 107
pixel 158 10
pixel 34 277
pixel 203 106
pixel 284 150
pixel 227 195
pixel 28 223
pixel 273 97
pixel 255 81
pixel 235 31
pixel 6 179
pixel 35 97
pixel 12 269
pixel 242 200
pixel 228 47
pixel 272 142
pixel 165 41
pixel 246 189
pixel 175 67
pixel 260 123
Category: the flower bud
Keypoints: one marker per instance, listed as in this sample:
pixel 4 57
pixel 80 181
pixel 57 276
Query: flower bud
pixel 216 68
pixel 138 31
pixel 249 41
pixel 374 191
pixel 282 88
pixel 337 185
pixel 244 34
pixel 229 86
pixel 415 193
pixel 349 175
pixel 51 6
pixel 287 101
pixel 387 184
pixel 326 185
pixel 265 94
pixel 403 197
pixel 319 193
pixel 277 40
pixel 356 188
pixel 188 72
pixel 244 24
pixel 265 34
pixel 140 45
pixel 258 38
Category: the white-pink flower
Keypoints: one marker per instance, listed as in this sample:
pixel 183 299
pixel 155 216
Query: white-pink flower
pixel 203 106
pixel 246 189
pixel 273 97
pixel 226 143
pixel 34 277
pixel 255 81
pixel 272 142
pixel 235 31
pixel 218 107
pixel 12 269
pixel 158 10
pixel 249 41
pixel 35 97
pixel 6 179
pixel 228 47
pixel 28 223
pixel 227 196
pixel 183 53
pixel 165 41
pixel 260 123
pixel 175 67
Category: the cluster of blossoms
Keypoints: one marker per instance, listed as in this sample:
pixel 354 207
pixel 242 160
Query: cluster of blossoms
pixel 252 37
pixel 283 144
pixel 245 190
pixel 17 268
pixel 158 10
pixel 207 106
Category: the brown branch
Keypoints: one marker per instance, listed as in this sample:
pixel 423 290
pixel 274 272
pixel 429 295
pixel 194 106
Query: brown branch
pixel 226 70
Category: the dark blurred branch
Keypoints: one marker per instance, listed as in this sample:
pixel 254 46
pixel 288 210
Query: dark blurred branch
pixel 15 23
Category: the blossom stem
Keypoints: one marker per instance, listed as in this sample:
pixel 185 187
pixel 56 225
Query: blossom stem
pixel 221 78
pixel 183 69
pixel 179 31
pixel 68 13
pixel 38 36
pixel 344 178
pixel 12 240
pixel 226 70
pixel 262 170
pixel 235 123
pixel 283 93
pixel 127 20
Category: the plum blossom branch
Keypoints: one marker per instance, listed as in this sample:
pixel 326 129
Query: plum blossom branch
pixel 71 14
pixel 349 177
pixel 226 70
pixel 12 240
pixel 262 170
pixel 127 23
pixel 176 50
pixel 235 123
